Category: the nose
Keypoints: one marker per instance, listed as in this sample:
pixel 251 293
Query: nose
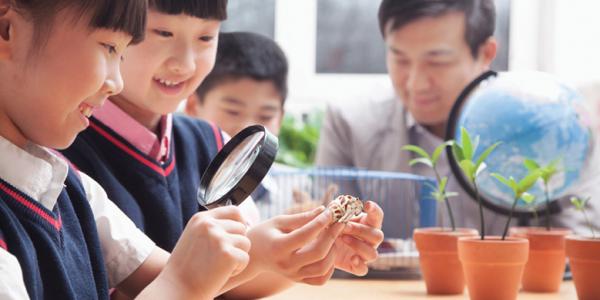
pixel 113 84
pixel 184 61
pixel 417 80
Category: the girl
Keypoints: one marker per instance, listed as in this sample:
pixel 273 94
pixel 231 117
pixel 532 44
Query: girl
pixel 60 236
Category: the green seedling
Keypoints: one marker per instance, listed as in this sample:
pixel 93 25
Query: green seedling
pixel 439 193
pixel 529 200
pixel 519 188
pixel 546 174
pixel 471 167
pixel 580 206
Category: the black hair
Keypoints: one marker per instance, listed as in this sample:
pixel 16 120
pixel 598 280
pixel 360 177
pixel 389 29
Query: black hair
pixel 128 16
pixel 247 55
pixel 480 16
pixel 204 9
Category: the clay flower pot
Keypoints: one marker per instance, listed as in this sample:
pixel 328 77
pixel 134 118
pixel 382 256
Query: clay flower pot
pixel 493 267
pixel 438 259
pixel 584 257
pixel 545 267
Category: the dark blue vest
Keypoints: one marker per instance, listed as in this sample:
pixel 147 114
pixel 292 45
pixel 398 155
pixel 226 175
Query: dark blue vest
pixel 159 198
pixel 58 251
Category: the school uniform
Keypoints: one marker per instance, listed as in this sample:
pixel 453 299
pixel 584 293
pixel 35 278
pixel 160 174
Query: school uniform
pixel 153 180
pixel 60 237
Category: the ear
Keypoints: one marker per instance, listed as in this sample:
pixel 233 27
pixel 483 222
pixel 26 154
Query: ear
pixel 5 29
pixel 192 106
pixel 487 52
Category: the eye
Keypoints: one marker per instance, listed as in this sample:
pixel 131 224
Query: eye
pixel 232 113
pixel 163 33
pixel 111 49
pixel 206 38
pixel 265 118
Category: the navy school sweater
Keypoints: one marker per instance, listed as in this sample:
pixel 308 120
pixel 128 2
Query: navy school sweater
pixel 159 198
pixel 58 251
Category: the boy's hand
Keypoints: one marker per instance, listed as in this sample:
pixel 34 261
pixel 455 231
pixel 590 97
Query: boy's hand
pixel 212 248
pixel 358 243
pixel 299 246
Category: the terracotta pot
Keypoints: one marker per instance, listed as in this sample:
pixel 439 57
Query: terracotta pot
pixel 545 267
pixel 584 257
pixel 493 267
pixel 438 259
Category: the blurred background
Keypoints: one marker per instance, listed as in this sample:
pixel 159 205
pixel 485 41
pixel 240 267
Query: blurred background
pixel 336 52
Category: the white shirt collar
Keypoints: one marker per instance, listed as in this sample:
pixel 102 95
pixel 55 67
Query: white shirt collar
pixel 34 171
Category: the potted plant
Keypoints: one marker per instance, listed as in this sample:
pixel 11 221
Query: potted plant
pixel 437 246
pixel 493 266
pixel 545 267
pixel 584 257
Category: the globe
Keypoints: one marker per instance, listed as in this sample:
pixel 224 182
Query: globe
pixel 535 116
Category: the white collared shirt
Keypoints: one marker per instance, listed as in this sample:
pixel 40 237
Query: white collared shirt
pixel 40 174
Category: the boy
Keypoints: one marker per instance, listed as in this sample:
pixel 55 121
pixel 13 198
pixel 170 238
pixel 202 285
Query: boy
pixel 150 162
pixel 247 86
pixel 60 237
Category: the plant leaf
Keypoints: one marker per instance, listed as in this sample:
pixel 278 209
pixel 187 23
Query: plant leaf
pixel 438 151
pixel 420 160
pixel 458 153
pixel 468 168
pixel 502 179
pixel 480 169
pixel 465 140
pixel 527 198
pixel 514 186
pixel 416 149
pixel 486 153
pixel 530 164
pixel 451 194
pixel 442 184
pixel 529 180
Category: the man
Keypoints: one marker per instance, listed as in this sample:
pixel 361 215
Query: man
pixel 434 49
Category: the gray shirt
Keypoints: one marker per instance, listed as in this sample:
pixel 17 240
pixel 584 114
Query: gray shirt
pixel 370 134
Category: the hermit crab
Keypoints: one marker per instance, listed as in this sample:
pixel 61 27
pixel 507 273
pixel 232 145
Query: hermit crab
pixel 344 208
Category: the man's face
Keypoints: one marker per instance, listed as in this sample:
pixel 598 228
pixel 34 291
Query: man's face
pixel 430 62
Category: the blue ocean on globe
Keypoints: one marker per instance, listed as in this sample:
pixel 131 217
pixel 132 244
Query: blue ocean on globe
pixel 534 116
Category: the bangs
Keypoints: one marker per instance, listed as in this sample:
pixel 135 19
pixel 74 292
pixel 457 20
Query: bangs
pixel 203 9
pixel 128 16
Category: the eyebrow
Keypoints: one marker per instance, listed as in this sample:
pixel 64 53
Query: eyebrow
pixel 432 53
pixel 234 101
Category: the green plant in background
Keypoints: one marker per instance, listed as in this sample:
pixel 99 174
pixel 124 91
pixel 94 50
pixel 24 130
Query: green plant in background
pixel 439 193
pixel 580 206
pixel 519 188
pixel 298 139
pixel 546 173
pixel 463 153
pixel 529 200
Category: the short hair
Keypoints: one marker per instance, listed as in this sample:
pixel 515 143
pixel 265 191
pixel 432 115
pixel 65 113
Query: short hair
pixel 128 16
pixel 480 16
pixel 247 55
pixel 203 9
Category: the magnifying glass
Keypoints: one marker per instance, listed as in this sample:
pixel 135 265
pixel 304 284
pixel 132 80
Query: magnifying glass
pixel 535 117
pixel 238 168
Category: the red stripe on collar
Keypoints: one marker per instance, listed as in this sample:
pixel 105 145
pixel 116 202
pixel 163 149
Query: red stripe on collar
pixel 160 170
pixel 57 224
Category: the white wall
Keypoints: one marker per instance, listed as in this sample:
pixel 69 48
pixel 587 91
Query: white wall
pixel 295 31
